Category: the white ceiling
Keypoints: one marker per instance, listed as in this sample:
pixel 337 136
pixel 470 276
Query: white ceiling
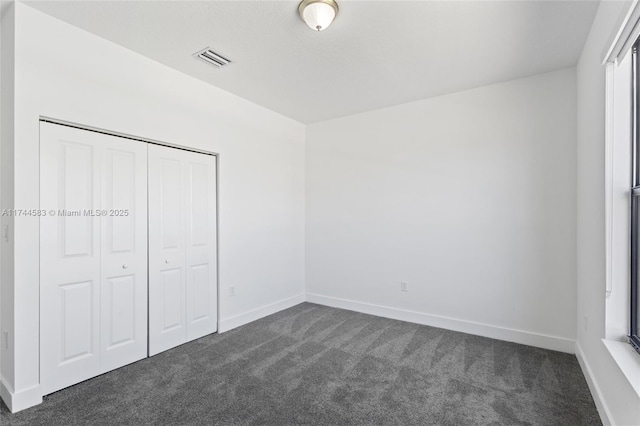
pixel 376 53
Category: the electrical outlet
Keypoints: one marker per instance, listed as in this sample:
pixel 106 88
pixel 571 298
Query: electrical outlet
pixel 232 291
pixel 403 286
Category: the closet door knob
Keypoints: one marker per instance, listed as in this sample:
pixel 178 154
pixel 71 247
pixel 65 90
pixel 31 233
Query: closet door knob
pixel 166 261
pixel 124 266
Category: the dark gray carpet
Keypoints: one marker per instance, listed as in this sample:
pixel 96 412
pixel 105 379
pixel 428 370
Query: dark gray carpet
pixel 316 365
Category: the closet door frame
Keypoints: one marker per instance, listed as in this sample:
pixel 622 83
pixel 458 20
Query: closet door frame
pixel 135 138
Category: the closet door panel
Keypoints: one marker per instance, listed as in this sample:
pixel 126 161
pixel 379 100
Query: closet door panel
pixel 69 257
pixel 170 201
pixel 121 185
pixel 119 311
pixel 171 293
pixel 167 308
pixel 201 286
pixel 182 247
pixel 93 263
pixel 77 334
pixel 124 253
pixel 77 185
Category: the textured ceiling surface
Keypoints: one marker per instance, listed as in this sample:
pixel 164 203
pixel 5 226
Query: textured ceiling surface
pixel 376 53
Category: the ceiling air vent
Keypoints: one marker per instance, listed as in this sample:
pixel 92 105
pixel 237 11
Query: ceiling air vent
pixel 212 58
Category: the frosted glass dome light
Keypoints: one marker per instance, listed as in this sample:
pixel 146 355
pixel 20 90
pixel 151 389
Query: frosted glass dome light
pixel 318 14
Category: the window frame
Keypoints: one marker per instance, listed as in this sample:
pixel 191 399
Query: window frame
pixel 634 307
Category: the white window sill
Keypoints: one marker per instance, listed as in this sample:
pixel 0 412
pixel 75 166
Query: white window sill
pixel 628 361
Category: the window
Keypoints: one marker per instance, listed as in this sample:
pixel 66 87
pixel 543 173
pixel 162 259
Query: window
pixel 635 204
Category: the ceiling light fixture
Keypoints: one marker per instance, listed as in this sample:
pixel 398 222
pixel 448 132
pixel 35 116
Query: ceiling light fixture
pixel 318 14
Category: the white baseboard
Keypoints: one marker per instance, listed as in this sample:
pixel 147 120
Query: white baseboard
pixel 511 335
pixel 18 401
pixel 596 393
pixel 230 323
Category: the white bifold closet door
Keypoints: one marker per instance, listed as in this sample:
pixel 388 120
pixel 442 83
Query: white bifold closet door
pixel 182 247
pixel 93 254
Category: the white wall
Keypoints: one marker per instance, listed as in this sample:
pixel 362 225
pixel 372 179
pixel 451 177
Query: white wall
pixel 468 197
pixel 66 73
pixel 616 400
